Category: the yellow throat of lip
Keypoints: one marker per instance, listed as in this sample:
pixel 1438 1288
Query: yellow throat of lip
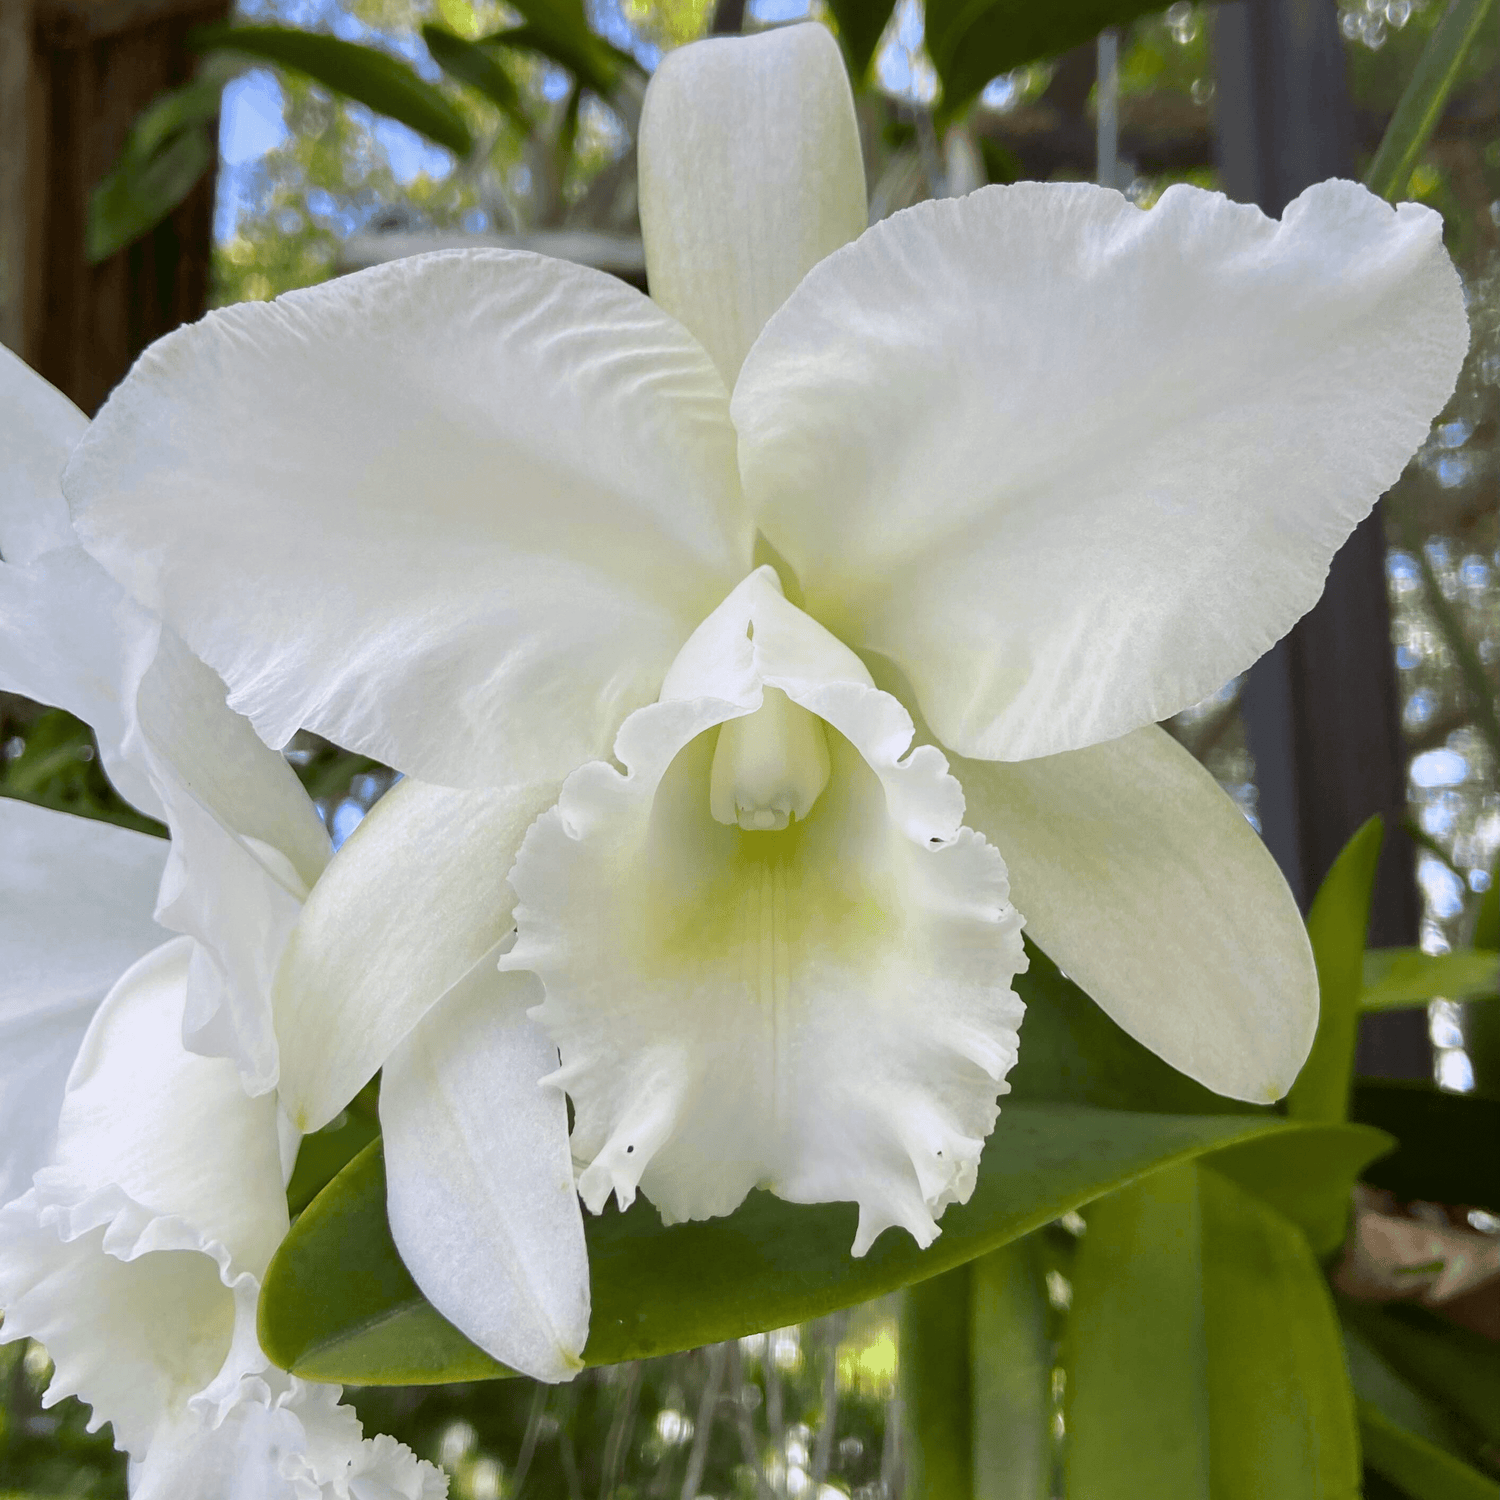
pixel 770 766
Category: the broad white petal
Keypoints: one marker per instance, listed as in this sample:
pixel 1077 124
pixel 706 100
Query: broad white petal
pixel 76 898
pixel 1071 464
pixel 69 637
pixel 414 900
pixel 825 1010
pixel 750 173
pixel 480 1180
pixel 458 511
pixel 247 845
pixel 38 427
pixel 1144 882
pixel 135 1257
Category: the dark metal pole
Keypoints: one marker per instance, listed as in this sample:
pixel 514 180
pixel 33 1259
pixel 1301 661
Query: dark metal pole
pixel 1321 709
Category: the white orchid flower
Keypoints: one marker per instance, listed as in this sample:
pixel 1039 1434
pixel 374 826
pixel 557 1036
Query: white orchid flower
pixel 1035 467
pixel 142 1202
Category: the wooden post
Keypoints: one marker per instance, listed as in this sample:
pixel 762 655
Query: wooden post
pixel 74 74
pixel 1321 711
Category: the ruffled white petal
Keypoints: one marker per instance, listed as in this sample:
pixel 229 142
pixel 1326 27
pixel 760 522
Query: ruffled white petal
pixel 1072 464
pixel 1144 882
pixel 136 1256
pixel 415 899
pixel 173 1131
pixel 76 898
pixel 479 500
pixel 750 173
pixel 479 1178
pixel 284 1440
pixel 824 1011
pixel 38 427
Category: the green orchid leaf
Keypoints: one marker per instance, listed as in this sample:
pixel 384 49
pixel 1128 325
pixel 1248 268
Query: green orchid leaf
pixel 1379 1388
pixel 140 192
pixel 860 26
pixel 1446 1152
pixel 559 30
pixel 935 1391
pixel 339 1305
pixel 1422 103
pixel 365 74
pixel 970 41
pixel 1455 1368
pixel 325 1153
pixel 1010 1373
pixel 1337 925
pixel 1196 1310
pixel 1137 1399
pixel 478 67
pixel 1421 1468
pixel 1271 1330
pixel 1399 977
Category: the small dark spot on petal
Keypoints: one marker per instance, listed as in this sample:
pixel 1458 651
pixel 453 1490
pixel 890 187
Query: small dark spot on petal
pixel 629 1149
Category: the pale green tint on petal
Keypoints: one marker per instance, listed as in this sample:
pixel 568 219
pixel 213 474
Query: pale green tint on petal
pixel 479 1177
pixel 824 1011
pixel 1072 464
pixel 38 427
pixel 1142 880
pixel 412 902
pixel 750 173
pixel 457 512
pixel 76 898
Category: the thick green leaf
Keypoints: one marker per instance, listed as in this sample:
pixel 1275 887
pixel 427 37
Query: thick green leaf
pixel 1337 925
pixel 140 192
pixel 365 74
pixel 1447 1151
pixel 860 25
pixel 970 41
pixel 559 30
pixel 1421 106
pixel 1421 1468
pixel 1281 1412
pixel 1308 1178
pixel 1137 1398
pixel 478 67
pixel 1397 977
pixel 1377 1385
pixel 339 1305
pixel 1010 1371
pixel 1203 1356
pixel 1452 1366
pixel 935 1390
pixel 325 1153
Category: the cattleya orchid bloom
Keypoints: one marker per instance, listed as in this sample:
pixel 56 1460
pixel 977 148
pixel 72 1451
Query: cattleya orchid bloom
pixel 666 606
pixel 143 1187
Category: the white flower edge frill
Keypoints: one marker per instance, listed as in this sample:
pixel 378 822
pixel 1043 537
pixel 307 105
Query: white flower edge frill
pixel 136 1259
pixel 823 1010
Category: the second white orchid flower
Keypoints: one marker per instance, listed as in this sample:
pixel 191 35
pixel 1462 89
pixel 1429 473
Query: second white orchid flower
pixel 647 596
